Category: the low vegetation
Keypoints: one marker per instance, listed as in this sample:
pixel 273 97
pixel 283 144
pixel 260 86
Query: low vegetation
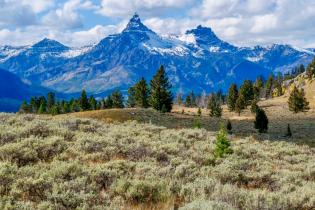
pixel 70 163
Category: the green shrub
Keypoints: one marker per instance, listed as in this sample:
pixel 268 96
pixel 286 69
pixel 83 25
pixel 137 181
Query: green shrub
pixel 142 191
pixel 222 145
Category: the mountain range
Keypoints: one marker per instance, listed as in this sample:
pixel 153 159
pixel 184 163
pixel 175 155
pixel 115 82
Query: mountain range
pixel 197 60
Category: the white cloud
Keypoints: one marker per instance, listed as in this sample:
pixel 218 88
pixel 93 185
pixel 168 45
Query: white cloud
pixel 68 17
pixel 124 8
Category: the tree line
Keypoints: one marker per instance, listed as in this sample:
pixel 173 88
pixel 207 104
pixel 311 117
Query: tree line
pixel 158 96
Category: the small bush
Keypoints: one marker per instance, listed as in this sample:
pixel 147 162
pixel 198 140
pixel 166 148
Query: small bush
pixel 222 145
pixel 142 191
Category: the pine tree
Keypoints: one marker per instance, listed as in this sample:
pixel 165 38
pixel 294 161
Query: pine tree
pixel 247 91
pixel 289 133
pixel 55 110
pixel 214 106
pixel 278 85
pixel 131 102
pixel 25 108
pixel 297 101
pixel 232 97
pixel 254 107
pixel 142 94
pixel 229 127
pixel 108 103
pixel 261 121
pixel 117 99
pixel 43 105
pixel 161 91
pixel 92 103
pixel 269 86
pixel 84 101
pixel 222 145
pixel 50 101
pixel 310 71
pixel 199 111
pixel 188 101
pixel 240 104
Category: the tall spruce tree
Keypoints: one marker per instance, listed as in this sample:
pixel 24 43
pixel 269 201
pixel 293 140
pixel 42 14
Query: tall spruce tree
pixel 261 121
pixel 131 102
pixel 161 94
pixel 188 101
pixel 269 86
pixel 84 101
pixel 232 97
pixel 310 71
pixel 117 99
pixel 92 103
pixel 142 94
pixel 50 101
pixel 240 104
pixel 297 101
pixel 214 106
pixel 247 91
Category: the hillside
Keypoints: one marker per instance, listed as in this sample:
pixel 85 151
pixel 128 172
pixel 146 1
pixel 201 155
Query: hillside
pixel 13 91
pixel 63 163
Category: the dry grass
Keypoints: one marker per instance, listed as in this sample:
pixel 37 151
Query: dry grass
pixel 302 124
pixel 70 163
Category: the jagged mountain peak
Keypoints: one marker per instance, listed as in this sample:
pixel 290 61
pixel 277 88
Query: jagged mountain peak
pixel 135 25
pixel 51 44
pixel 204 34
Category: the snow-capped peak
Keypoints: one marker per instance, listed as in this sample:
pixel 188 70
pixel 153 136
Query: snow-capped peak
pixel 50 44
pixel 135 24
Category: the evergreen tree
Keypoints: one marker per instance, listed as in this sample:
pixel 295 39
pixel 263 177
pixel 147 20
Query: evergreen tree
pixel 117 99
pixel 161 91
pixel 261 121
pixel 232 97
pixel 310 71
pixel 66 107
pixel 75 105
pixel 269 86
pixel 34 104
pixel 131 102
pixel 214 106
pixel 43 105
pixel 92 103
pixel 240 104
pixel 289 133
pixel 247 91
pixel 142 94
pixel 301 69
pixel 222 145
pixel 25 108
pixel 278 85
pixel 297 101
pixel 55 110
pixel 229 127
pixel 84 101
pixel 254 107
pixel 50 101
pixel 188 101
pixel 108 103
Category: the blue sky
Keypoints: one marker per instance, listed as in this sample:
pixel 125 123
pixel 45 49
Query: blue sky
pixel 83 22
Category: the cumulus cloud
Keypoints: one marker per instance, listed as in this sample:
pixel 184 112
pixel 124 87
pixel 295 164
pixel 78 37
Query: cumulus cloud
pixel 124 8
pixel 68 16
pixel 241 22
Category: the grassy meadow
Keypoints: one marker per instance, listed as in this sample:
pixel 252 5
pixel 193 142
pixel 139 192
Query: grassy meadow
pixel 68 162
